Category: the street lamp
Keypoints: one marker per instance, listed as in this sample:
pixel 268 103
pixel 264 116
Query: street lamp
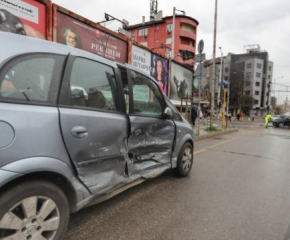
pixel 109 17
pixel 213 66
pixel 173 30
pixel 220 78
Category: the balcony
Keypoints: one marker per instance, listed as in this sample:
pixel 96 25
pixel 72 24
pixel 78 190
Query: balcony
pixel 186 47
pixel 187 34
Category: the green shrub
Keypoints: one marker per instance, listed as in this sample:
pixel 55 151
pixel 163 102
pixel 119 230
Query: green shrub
pixel 213 129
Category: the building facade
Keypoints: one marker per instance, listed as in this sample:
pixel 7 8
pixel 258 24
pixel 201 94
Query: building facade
pixel 250 76
pixel 157 35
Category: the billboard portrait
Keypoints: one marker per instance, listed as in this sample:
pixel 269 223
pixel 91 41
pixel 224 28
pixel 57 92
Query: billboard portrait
pixel 181 82
pixel 75 33
pixel 159 70
pixel 141 59
pixel 25 17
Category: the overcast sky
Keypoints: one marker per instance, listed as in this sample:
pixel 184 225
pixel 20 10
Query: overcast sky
pixel 240 23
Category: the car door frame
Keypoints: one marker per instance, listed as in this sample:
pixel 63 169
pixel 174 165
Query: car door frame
pixel 63 102
pixel 132 166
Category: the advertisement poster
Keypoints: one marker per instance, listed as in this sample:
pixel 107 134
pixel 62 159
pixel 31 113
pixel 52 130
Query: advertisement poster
pixel 25 17
pixel 75 33
pixel 181 83
pixel 141 59
pixel 159 70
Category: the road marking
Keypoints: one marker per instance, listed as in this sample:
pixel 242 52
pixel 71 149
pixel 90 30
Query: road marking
pixel 247 132
pixel 200 151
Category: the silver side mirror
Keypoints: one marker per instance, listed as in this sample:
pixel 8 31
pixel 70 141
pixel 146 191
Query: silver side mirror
pixel 167 113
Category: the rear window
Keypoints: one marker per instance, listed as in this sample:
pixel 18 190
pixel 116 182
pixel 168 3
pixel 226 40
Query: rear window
pixel 31 78
pixel 93 85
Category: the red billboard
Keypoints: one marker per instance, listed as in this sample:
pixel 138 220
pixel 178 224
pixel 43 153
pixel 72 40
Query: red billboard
pixel 75 33
pixel 26 17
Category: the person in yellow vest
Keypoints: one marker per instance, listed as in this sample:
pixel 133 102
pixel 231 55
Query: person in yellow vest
pixel 267 119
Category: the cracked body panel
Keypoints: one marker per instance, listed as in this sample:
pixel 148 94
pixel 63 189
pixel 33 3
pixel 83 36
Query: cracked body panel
pixel 99 157
pixel 150 143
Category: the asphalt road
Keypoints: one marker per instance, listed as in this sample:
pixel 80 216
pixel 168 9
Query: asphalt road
pixel 239 189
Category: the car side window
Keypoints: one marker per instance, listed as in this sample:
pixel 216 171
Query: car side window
pixel 147 98
pixel 125 83
pixel 29 78
pixel 93 85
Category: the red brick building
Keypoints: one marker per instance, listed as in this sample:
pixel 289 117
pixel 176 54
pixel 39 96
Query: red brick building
pixel 157 36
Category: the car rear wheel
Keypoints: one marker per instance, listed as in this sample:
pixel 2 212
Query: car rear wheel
pixel 281 125
pixel 33 210
pixel 184 161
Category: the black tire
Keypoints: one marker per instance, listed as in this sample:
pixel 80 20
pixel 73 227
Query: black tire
pixel 184 161
pixel 281 125
pixel 31 201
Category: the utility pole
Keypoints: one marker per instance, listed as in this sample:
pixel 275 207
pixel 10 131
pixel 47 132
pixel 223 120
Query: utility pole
pixel 220 77
pixel 200 50
pixel 173 34
pixel 213 67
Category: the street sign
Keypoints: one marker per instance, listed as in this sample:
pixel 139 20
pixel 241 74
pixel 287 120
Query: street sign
pixel 203 81
pixel 199 57
pixel 200 46
pixel 200 70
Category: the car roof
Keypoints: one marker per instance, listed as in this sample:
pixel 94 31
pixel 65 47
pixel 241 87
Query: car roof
pixel 129 66
pixel 18 44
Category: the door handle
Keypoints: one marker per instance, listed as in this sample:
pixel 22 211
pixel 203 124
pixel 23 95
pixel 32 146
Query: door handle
pixel 79 132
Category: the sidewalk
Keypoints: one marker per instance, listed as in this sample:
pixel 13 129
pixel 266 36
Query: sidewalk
pixel 203 134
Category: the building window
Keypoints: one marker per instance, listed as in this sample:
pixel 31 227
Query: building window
pixel 257 92
pixel 187 27
pixel 144 44
pixel 249 65
pixel 169 27
pixel 186 41
pixel 256 101
pixel 258 74
pixel 186 55
pixel 143 32
pixel 257 84
pixel 248 93
pixel 248 83
pixel 259 65
pixel 168 40
pixel 270 68
pixel 269 77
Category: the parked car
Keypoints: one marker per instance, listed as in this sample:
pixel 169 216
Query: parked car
pixel 77 129
pixel 282 121
pixel 273 118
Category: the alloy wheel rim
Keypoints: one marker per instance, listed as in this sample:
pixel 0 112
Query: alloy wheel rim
pixel 187 159
pixel 36 217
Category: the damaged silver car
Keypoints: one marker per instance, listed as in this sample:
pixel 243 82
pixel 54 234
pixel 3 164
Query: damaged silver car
pixel 75 130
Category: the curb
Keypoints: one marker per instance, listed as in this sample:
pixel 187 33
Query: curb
pixel 210 135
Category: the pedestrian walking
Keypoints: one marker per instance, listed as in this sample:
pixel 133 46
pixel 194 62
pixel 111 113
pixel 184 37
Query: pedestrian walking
pixel 267 119
pixel 229 117
pixel 193 115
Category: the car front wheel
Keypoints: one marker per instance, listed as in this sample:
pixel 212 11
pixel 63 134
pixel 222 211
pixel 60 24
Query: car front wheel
pixel 184 161
pixel 281 125
pixel 33 210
